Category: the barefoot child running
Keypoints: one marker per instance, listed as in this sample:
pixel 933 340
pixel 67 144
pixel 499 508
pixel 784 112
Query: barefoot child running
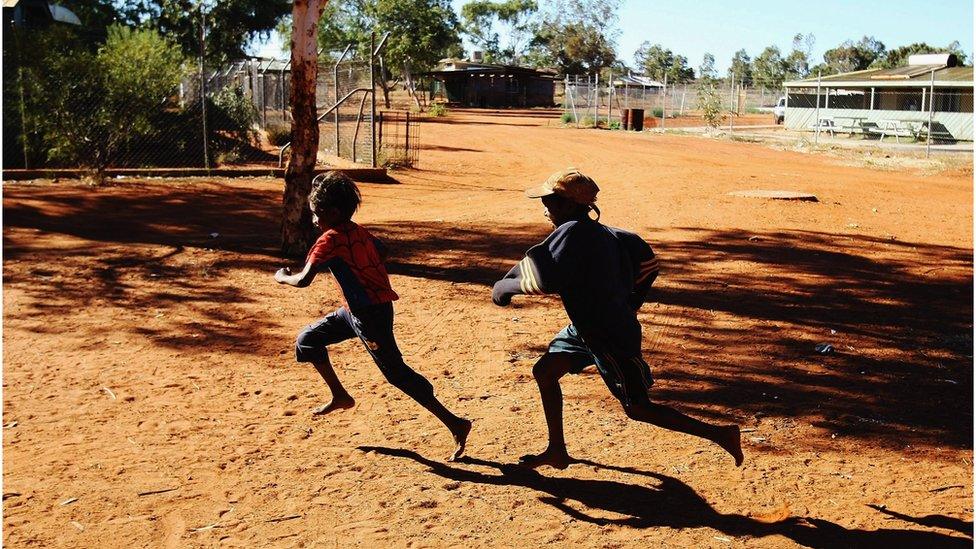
pixel 356 261
pixel 602 275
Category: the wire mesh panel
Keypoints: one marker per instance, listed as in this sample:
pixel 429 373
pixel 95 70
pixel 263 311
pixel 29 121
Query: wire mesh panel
pixel 398 136
pixel 345 132
pixel 581 100
pixel 234 114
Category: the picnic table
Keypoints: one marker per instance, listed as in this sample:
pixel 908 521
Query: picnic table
pixel 824 123
pixel 900 127
pixel 856 123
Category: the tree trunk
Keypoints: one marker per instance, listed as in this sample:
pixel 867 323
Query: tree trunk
pixel 383 84
pixel 408 81
pixel 297 233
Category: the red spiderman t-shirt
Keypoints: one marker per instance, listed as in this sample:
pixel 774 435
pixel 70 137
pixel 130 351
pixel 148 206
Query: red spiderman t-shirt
pixel 355 259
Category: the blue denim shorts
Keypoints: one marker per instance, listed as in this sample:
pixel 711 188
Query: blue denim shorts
pixel 373 325
pixel 628 377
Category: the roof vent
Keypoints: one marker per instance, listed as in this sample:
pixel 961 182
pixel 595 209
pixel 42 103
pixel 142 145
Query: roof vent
pixel 478 56
pixel 944 59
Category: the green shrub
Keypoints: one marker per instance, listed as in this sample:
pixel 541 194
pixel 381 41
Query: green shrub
pixel 437 109
pixel 657 112
pixel 567 118
pixel 232 112
pixel 587 122
pixel 87 105
pixel 709 102
pixel 278 134
pixel 615 125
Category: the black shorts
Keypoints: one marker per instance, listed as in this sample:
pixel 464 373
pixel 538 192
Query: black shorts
pixel 627 376
pixel 373 325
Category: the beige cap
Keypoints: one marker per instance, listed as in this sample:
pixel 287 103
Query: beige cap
pixel 568 183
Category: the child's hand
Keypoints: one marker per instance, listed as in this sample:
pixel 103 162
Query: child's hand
pixel 499 296
pixel 282 274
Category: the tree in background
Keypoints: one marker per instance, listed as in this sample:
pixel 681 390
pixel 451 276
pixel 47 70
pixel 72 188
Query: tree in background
pixel 852 56
pixel 575 36
pixel 741 68
pixel 575 48
pixel 656 61
pixel 709 102
pixel 516 16
pixel 422 32
pixel 231 24
pixel 94 102
pixel 797 63
pixel 706 71
pixel 899 56
pixel 769 68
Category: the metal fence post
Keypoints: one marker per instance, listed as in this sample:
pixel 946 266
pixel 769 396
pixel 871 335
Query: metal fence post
pixel 372 97
pixel 816 116
pixel 664 100
pixel 203 86
pixel 731 98
pixel 335 94
pixel 928 139
pixel 380 132
pixel 596 101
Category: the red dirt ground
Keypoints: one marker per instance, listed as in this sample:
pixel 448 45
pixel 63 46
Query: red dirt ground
pixel 143 355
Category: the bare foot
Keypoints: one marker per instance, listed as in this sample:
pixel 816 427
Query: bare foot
pixel 731 441
pixel 555 459
pixel 338 403
pixel 460 437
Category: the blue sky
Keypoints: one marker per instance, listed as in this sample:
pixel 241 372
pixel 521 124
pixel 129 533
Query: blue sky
pixel 721 27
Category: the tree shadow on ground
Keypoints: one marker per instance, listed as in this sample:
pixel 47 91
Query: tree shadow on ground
pixel 897 313
pixel 668 502
pixel 177 292
pixel 732 325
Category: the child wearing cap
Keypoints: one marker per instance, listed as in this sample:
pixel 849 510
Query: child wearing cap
pixel 355 259
pixel 603 275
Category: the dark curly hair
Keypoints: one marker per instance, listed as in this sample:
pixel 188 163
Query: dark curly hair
pixel 335 190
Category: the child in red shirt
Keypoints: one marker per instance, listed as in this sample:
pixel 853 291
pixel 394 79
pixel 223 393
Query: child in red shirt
pixel 356 260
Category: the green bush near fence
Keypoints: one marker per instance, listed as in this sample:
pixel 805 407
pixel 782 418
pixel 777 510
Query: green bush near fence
pixel 709 102
pixel 233 113
pixel 88 105
pixel 437 109
pixel 278 134
pixel 72 102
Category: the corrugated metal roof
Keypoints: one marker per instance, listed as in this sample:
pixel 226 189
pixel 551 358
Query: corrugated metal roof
pixel 903 73
pixel 636 80
pixel 908 76
pixel 956 74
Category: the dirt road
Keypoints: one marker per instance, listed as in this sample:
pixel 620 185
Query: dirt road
pixel 151 396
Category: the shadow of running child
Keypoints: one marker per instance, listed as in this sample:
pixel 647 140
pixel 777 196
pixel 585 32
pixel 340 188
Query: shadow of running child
pixel 669 502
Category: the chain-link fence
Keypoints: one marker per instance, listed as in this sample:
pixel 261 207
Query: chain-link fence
pixel 398 135
pixel 80 111
pixel 588 101
pixel 897 115
pixel 346 132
